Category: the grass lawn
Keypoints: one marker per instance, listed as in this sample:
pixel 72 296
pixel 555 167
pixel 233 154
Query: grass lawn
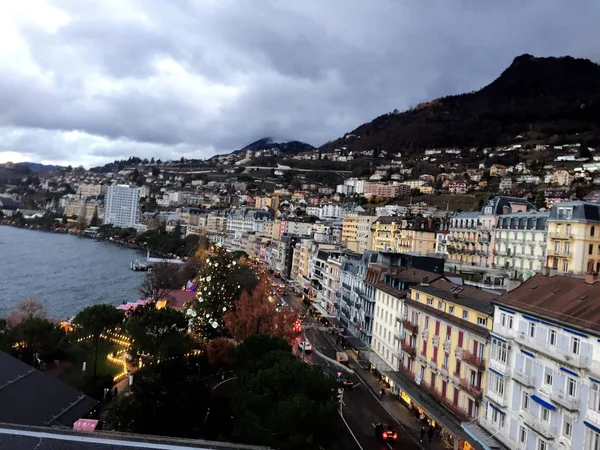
pixel 70 371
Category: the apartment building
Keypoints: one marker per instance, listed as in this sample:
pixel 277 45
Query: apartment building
pixel 463 243
pixel 89 190
pixel 574 237
pixel 543 390
pixel 356 308
pixel 446 343
pixel 122 206
pixel 386 190
pixel 326 280
pixel 405 235
pixel 356 232
pixel 244 220
pixel 520 243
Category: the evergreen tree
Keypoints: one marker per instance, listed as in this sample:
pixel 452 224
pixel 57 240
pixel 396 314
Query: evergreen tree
pixel 219 285
pixel 94 221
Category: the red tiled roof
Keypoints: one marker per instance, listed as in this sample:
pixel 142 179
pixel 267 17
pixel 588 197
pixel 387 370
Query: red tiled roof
pixel 177 298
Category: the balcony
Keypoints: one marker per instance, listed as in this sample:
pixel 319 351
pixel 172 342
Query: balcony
pixel 409 349
pixel 447 346
pixel 579 361
pixel 472 390
pixel 410 327
pixel 496 398
pixel 473 360
pixel 498 365
pixel 459 352
pixel 544 428
pixel 523 378
pixel 436 340
pixel 564 400
pixel 432 365
pixel 443 371
pixel 560 235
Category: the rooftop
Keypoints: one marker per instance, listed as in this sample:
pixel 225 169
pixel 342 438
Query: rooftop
pixel 36 398
pixel 563 299
pixel 468 296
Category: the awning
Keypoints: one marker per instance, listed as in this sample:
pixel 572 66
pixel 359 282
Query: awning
pixel 482 437
pixel 378 362
pixel 355 342
pixel 543 402
pixel 322 310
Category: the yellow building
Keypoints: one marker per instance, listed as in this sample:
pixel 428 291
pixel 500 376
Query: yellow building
pixel 401 235
pixel 300 260
pixel 444 347
pixel 574 238
pixel 356 232
pixel 350 231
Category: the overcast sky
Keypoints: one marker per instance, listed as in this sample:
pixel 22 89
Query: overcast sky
pixel 88 81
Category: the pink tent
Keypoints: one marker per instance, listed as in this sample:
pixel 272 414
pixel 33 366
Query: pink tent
pixel 85 425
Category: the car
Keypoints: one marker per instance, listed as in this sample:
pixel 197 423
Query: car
pixel 297 327
pixel 345 382
pixel 305 346
pixel 385 433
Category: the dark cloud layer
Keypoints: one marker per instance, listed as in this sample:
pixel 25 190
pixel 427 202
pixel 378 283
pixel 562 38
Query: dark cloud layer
pixel 86 81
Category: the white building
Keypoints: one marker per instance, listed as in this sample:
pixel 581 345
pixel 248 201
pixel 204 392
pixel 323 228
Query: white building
pixel 122 206
pixel 543 388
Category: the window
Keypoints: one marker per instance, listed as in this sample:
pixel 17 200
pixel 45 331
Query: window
pixel 451 309
pixel 552 337
pixel 496 384
pixel 594 397
pixel 592 440
pixel 545 414
pixel 592 230
pixel 575 345
pixel 522 435
pixel 531 329
pixel 446 360
pixel 590 248
pixel 567 247
pixel 448 333
pixel 426 323
pixel 541 445
pixel 548 376
pixel 499 350
pixel 465 314
pixel 571 387
pixel 557 246
pixel 429 301
pixel 567 430
pixel 525 401
pixel 417 296
pixel 440 304
pixel 482 321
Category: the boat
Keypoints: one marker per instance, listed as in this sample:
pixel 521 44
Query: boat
pixel 138 266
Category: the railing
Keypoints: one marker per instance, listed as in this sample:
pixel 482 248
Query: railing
pixel 579 361
pixel 443 370
pixel 560 235
pixel 410 327
pixel 524 378
pixel 472 390
pixel 498 365
pixel 544 428
pixel 410 349
pixel 436 340
pixel 497 398
pixel 473 360
pixel 459 352
pixel 568 402
pixel 433 365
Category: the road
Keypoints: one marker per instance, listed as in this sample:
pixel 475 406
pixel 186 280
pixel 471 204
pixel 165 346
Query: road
pixel 360 407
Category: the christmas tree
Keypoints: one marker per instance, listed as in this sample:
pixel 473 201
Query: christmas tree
pixel 220 283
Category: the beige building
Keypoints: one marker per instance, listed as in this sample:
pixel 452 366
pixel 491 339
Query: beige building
pixel 401 235
pixel 356 232
pixel 562 177
pixel 83 207
pixel 89 190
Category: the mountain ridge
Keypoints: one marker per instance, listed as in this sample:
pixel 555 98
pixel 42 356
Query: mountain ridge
pixel 540 98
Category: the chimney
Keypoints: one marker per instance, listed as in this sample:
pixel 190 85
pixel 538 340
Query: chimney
pixel 425 281
pixel 591 278
pixel 455 295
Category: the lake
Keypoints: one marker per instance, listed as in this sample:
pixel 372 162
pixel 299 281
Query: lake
pixel 66 273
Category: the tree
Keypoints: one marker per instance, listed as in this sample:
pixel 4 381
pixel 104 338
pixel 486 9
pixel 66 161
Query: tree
pixel 257 313
pixel 30 308
pixel 34 337
pixel 95 221
pixel 219 352
pixel 270 403
pixel 163 277
pixel 159 391
pixel 540 200
pixel 220 283
pixel 247 355
pixel 159 333
pixel 93 321
pixel 64 219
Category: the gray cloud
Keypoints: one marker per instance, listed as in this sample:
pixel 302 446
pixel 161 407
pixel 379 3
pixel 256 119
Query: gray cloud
pixel 194 78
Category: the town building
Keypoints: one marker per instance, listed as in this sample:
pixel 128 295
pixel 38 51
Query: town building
pixel 520 243
pixel 574 237
pixel 543 389
pixel 386 190
pixel 356 232
pixel 89 190
pixel 122 206
pixel 405 235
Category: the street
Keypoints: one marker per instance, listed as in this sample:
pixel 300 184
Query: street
pixel 360 407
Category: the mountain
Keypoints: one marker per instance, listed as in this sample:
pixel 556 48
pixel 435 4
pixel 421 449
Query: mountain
pixel 36 167
pixel 284 147
pixel 541 99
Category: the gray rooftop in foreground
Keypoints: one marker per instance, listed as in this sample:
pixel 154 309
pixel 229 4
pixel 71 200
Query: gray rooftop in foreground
pixel 14 437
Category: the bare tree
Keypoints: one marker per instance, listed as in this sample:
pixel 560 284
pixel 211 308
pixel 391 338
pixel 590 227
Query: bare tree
pixel 31 307
pixel 161 279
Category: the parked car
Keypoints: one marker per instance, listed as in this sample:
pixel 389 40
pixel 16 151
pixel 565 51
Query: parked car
pixel 305 346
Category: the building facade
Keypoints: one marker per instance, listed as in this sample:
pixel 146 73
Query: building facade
pixel 122 206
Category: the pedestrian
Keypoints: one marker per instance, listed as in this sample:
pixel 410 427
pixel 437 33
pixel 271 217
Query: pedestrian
pixel 430 433
pixel 422 418
pixel 381 392
pixel 380 378
pixel 422 433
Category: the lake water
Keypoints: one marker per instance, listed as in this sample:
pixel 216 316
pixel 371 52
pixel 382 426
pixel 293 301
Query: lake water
pixel 65 272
